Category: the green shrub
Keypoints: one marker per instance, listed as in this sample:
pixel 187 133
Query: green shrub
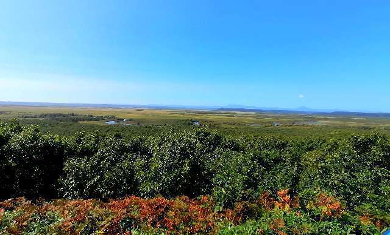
pixel 231 178
pixel 197 161
pixel 177 164
pixel 108 173
pixel 36 161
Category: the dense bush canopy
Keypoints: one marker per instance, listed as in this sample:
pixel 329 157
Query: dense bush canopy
pixel 195 162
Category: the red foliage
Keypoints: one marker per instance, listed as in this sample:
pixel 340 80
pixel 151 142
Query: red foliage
pixel 284 201
pixel 277 225
pixel 329 205
pixel 181 215
pixel 368 219
pixel 187 215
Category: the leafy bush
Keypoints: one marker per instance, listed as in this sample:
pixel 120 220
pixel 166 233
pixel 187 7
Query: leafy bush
pixel 177 164
pixel 7 176
pixel 108 173
pixel 354 170
pixel 33 162
pixel 231 178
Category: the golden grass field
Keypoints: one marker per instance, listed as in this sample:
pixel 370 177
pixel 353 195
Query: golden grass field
pixel 156 116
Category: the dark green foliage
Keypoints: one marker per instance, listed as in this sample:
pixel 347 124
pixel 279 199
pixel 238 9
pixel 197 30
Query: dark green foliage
pixel 231 177
pixel 196 161
pixel 7 175
pixel 30 162
pixel 356 169
pixel 107 173
pixel 177 164
pixel 36 162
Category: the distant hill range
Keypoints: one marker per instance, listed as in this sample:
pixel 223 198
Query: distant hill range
pixel 312 112
pixel 228 108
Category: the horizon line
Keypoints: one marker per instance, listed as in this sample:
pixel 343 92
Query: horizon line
pixel 232 107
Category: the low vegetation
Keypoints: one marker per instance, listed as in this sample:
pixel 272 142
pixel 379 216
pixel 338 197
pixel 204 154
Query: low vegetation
pixel 182 215
pixel 192 180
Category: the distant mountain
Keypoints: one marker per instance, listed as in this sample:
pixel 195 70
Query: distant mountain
pixel 237 106
pixel 277 109
pixel 308 111
pixel 301 109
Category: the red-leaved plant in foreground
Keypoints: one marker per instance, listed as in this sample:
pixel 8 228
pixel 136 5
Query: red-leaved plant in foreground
pixel 181 215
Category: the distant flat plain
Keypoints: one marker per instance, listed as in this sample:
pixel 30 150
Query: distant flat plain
pixel 228 121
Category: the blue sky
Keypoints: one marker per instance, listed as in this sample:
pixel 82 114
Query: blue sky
pixel 321 54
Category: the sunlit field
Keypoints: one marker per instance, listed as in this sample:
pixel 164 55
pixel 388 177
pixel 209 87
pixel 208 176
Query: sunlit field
pixel 231 122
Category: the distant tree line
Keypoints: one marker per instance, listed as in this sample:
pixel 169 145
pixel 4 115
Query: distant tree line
pixel 67 117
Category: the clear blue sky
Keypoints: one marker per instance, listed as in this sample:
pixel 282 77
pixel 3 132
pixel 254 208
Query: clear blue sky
pixel 321 54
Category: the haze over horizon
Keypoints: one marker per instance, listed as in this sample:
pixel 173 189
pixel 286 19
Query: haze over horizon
pixel 317 54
